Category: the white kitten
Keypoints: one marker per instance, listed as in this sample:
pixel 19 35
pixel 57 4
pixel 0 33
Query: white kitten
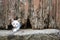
pixel 16 24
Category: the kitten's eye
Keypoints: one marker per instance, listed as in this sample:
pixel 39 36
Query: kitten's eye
pixel 16 23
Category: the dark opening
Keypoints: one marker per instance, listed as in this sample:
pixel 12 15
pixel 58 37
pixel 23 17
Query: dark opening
pixel 10 27
pixel 27 25
pixel 1 28
pixel 4 27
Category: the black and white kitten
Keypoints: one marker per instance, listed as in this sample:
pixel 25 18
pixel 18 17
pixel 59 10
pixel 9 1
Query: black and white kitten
pixel 16 25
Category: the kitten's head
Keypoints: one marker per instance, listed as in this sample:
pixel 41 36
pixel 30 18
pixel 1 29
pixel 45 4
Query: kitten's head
pixel 15 23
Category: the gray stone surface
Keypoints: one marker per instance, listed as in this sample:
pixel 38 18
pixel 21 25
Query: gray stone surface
pixel 29 34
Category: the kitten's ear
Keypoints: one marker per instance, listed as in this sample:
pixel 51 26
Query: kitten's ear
pixel 19 20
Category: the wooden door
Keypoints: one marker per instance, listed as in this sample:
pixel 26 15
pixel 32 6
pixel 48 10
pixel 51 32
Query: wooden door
pixel 18 8
pixel 12 9
pixel 41 13
pixel 44 14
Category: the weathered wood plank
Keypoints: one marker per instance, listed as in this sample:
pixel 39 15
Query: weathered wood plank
pixel 41 13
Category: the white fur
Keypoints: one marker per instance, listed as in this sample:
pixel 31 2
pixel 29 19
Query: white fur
pixel 16 24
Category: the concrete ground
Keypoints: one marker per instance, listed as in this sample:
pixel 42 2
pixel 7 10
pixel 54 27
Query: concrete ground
pixel 29 31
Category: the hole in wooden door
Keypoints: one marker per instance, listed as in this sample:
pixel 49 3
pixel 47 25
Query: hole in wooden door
pixel 27 25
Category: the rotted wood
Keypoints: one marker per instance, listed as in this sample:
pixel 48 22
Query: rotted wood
pixel 2 20
pixel 58 13
pixel 44 15
pixel 23 8
pixel 53 10
pixel 41 13
pixel 32 14
pixel 17 8
pixel 36 14
pixel 3 11
pixel 12 9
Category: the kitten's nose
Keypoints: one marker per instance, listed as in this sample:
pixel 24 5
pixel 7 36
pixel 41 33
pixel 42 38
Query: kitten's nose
pixel 14 26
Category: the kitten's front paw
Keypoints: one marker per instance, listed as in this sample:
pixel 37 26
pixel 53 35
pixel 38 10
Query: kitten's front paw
pixel 14 30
